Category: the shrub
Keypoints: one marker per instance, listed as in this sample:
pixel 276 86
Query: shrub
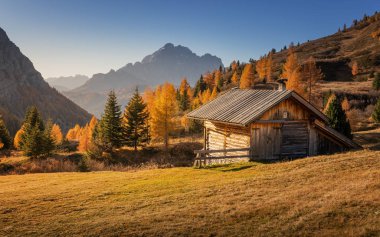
pixel 83 165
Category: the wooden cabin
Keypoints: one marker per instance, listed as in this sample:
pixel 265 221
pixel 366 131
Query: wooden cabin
pixel 265 125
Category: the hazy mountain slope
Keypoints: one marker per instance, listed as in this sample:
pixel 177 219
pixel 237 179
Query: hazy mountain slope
pixel 22 86
pixel 67 83
pixel 169 63
pixel 336 53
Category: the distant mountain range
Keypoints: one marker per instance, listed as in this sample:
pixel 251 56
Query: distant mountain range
pixel 169 63
pixel 22 86
pixel 67 83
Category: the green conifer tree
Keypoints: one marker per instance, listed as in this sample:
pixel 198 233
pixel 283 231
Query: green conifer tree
pixel 337 116
pixel 32 139
pixel 109 129
pixel 184 101
pixel 376 112
pixel 49 143
pixel 376 81
pixel 135 122
pixel 5 138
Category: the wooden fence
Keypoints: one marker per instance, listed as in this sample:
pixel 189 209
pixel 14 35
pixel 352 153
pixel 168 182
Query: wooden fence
pixel 202 156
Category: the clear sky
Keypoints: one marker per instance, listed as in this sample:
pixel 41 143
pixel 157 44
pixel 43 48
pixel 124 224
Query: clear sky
pixel 67 37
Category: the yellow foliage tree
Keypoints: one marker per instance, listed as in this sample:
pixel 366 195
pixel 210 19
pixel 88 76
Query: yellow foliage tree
pixel 355 69
pixel 17 139
pixel 85 138
pixel 217 77
pixel 214 93
pixel 311 74
pixel 261 67
pixel 247 77
pixel 73 133
pixel 235 78
pixel 163 113
pixel 269 67
pixel 292 71
pixel 345 104
pixel 206 96
pixel 56 134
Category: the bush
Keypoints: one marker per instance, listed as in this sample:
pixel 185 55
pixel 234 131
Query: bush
pixel 376 81
pixel 83 165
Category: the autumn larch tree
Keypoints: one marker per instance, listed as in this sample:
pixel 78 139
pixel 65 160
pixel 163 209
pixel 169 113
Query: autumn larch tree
pixel 269 67
pixel 164 111
pixel 56 133
pixel 311 74
pixel 247 77
pixel 235 78
pixel 292 72
pixel 261 67
pixel 17 138
pixel 5 138
pixel 355 69
pixel 337 118
pixel 135 122
pixel 184 95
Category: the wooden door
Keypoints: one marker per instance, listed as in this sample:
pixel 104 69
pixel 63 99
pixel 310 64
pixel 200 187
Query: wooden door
pixel 266 140
pixel 295 140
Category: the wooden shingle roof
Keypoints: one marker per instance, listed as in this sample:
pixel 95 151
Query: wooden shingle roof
pixel 244 106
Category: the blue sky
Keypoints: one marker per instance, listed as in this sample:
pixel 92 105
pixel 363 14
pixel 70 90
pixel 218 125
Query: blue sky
pixel 70 37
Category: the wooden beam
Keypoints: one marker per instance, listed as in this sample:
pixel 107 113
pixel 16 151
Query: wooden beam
pixel 222 150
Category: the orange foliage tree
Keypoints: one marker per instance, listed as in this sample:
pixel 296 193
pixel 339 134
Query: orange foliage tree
pixel 17 138
pixel 292 71
pixel 56 134
pixel 163 113
pixel 247 77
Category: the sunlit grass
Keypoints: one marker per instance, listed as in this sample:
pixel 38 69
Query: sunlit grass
pixel 335 195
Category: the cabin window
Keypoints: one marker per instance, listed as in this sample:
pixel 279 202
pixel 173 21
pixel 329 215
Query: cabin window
pixel 285 115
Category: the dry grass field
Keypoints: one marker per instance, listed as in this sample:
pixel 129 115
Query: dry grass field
pixel 336 195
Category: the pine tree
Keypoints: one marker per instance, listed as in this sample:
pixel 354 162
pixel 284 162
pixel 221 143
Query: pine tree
pixel 247 77
pixel 110 129
pixel 135 121
pixel 48 139
pixel 33 136
pixel 376 81
pixel 162 116
pixel 5 138
pixel 376 112
pixel 337 117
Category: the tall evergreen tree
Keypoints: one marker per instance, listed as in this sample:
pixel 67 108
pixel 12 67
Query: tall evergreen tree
pixel 376 81
pixel 5 138
pixel 337 117
pixel 32 138
pixel 109 131
pixel 48 142
pixel 135 122
pixel 376 112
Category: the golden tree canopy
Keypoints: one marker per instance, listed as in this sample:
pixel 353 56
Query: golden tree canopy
pixel 247 77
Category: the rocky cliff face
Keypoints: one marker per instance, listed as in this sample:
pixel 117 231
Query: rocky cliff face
pixel 22 86
pixel 169 63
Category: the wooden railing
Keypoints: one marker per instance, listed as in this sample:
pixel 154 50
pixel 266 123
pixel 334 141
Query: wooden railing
pixel 202 156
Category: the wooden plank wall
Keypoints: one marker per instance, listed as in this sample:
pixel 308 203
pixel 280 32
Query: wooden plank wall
pixel 221 136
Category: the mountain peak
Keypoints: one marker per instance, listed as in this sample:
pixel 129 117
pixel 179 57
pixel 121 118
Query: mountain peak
pixel 168 46
pixel 3 35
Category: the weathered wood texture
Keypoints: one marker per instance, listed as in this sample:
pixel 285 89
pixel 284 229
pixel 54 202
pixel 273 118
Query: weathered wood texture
pixel 295 140
pixel 222 136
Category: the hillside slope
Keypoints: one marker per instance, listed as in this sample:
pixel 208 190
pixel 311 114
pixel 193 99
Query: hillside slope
pixel 22 86
pixel 336 195
pixel 336 53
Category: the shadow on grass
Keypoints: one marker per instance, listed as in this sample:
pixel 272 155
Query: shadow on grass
pixel 233 167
